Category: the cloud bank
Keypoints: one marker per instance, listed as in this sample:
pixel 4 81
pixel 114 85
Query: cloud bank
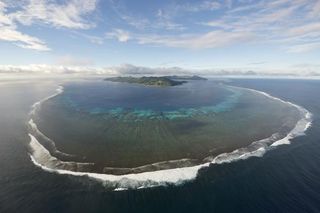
pixel 132 70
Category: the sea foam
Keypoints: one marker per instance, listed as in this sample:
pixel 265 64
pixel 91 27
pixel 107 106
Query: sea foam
pixel 33 128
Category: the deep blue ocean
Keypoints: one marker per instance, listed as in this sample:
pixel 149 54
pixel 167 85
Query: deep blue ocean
pixel 285 179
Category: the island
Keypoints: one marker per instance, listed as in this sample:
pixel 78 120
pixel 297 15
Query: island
pixel 148 81
pixel 162 81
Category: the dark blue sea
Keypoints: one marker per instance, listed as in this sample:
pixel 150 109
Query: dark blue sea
pixel 284 179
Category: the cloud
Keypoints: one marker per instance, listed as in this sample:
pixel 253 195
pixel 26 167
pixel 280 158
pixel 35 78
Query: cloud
pixel 164 22
pixel 132 70
pixel 257 17
pixel 123 14
pixel 257 63
pixel 69 60
pixel 163 16
pixel 302 48
pixel 314 10
pixel 308 65
pixel 305 29
pixel 9 32
pixel 286 23
pixel 293 25
pixel 22 40
pixel 119 34
pixel 69 15
pixel 308 69
pixel 129 69
pixel 166 15
pixel 50 69
pixel 125 69
pixel 207 5
pixel 201 41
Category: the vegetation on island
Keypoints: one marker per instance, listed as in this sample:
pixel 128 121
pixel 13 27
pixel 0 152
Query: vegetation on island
pixel 163 81
pixel 148 81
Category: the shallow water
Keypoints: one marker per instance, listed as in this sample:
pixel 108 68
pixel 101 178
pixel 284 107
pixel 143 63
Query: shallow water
pixel 284 179
pixel 221 119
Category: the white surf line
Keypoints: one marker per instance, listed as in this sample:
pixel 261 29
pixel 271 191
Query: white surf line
pixel 36 132
pixel 36 106
pixel 178 176
pixel 43 157
pixel 302 125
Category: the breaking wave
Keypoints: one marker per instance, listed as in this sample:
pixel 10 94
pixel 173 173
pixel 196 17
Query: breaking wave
pixel 42 158
pixel 33 128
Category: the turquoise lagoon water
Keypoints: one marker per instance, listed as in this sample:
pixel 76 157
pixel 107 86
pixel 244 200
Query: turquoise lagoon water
pixel 119 125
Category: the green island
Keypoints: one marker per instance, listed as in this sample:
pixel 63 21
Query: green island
pixel 163 81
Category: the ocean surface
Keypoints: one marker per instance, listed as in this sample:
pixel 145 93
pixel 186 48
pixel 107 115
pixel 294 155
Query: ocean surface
pixel 272 176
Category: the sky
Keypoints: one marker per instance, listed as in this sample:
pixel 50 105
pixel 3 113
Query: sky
pixel 160 36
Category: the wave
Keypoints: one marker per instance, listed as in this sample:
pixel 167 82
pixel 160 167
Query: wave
pixel 41 155
pixel 42 158
pixel 36 106
pixel 302 125
pixel 33 128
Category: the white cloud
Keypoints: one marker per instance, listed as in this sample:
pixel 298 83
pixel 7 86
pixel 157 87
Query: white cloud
pixel 69 15
pixel 132 70
pixel 315 10
pixel 122 13
pixel 302 48
pixel 125 69
pixel 9 32
pixel 129 69
pixel 207 5
pixel 164 15
pixel 119 34
pixel 164 22
pixel 69 60
pixel 305 29
pixel 4 19
pixel 50 69
pixel 285 22
pixel 200 41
